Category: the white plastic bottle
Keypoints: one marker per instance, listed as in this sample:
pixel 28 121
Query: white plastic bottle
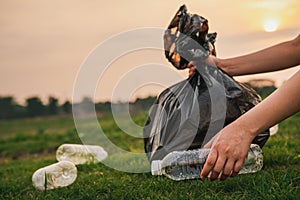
pixel 60 174
pixel 180 165
pixel 274 129
pixel 80 154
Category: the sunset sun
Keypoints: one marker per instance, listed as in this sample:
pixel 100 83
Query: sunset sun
pixel 270 25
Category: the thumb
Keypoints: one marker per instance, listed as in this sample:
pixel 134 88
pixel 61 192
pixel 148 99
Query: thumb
pixel 211 142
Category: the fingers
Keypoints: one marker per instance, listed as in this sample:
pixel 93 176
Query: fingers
pixel 227 171
pixel 191 71
pixel 222 169
pixel 191 67
pixel 237 167
pixel 218 165
pixel 227 154
pixel 209 164
pixel 191 64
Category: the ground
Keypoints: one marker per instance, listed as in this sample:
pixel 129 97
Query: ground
pixel 29 144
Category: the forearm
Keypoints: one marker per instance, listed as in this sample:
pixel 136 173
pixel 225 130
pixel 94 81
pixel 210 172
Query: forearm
pixel 278 57
pixel 230 146
pixel 281 104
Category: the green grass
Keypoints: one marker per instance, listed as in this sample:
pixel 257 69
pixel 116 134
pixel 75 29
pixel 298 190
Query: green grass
pixel 29 144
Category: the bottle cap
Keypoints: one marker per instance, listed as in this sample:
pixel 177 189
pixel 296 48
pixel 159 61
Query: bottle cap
pixel 156 167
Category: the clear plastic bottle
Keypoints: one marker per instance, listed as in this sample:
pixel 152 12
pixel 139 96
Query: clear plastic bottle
pixel 60 174
pixel 80 154
pixel 180 165
pixel 274 129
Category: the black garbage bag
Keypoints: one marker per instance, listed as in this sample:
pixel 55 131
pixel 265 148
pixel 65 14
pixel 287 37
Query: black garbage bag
pixel 188 114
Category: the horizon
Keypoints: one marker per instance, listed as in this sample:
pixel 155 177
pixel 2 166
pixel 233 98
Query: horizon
pixel 44 44
pixel 257 83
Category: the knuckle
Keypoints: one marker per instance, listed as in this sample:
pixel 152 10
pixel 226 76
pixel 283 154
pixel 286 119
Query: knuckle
pixel 227 150
pixel 226 172
pixel 237 167
pixel 236 155
pixel 216 171
pixel 217 146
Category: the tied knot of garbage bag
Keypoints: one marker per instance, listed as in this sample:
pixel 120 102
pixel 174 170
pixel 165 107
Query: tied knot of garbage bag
pixel 187 39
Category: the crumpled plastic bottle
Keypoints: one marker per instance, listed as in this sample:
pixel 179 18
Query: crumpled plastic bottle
pixel 60 174
pixel 80 154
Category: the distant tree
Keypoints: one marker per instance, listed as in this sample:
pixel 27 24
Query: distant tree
pixel 52 107
pixel 7 105
pixel 265 91
pixel 103 107
pixel 263 87
pixel 35 107
pixel 142 104
pixel 67 107
pixel 20 111
pixel 85 107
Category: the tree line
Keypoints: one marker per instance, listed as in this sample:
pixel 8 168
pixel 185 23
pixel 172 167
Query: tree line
pixel 34 107
pixel 10 109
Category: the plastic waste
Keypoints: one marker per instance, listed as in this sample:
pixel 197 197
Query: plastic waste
pixel 181 165
pixel 183 118
pixel 60 174
pixel 274 129
pixel 80 154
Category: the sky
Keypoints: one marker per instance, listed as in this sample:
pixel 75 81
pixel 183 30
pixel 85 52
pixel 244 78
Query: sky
pixel 43 43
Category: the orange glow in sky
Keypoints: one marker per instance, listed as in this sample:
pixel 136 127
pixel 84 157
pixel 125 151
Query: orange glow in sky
pixel 43 43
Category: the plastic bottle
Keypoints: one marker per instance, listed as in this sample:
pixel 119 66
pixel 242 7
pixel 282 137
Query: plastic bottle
pixel 180 165
pixel 80 154
pixel 274 129
pixel 60 174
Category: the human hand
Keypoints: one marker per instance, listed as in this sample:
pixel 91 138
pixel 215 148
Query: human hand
pixel 229 149
pixel 192 68
pixel 210 60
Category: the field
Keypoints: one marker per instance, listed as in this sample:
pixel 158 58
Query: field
pixel 29 144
